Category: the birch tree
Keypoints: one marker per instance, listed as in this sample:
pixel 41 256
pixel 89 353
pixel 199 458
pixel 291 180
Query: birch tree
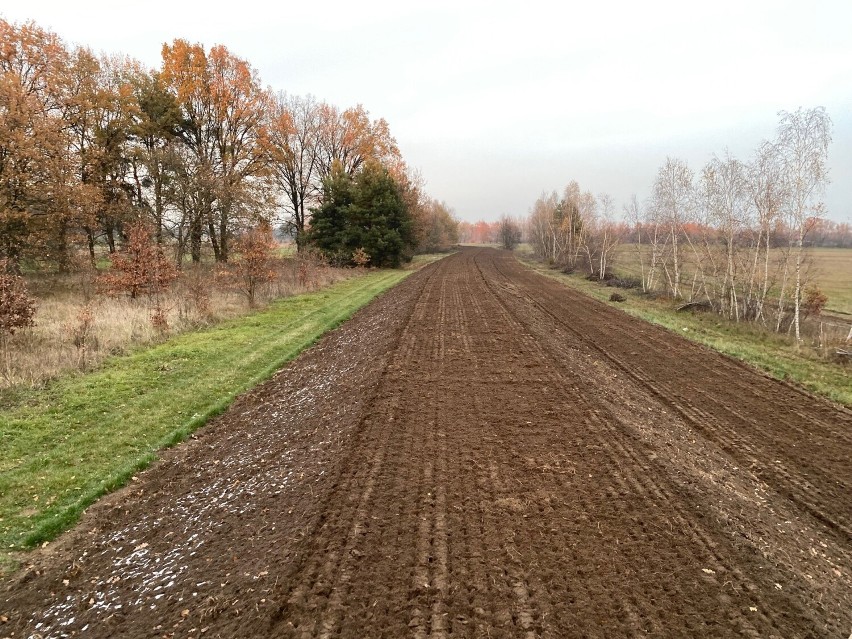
pixel 723 185
pixel 803 139
pixel 766 187
pixel 673 199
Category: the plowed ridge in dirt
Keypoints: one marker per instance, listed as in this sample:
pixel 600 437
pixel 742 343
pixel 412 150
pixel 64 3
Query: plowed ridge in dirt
pixel 480 453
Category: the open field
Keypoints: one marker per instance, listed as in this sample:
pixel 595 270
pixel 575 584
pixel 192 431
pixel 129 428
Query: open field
pixel 482 452
pixel 84 435
pixel 829 268
pixel 833 272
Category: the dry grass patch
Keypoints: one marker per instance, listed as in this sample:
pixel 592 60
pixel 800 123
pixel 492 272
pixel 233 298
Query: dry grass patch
pixel 77 326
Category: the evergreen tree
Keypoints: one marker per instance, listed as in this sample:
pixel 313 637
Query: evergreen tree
pixel 329 221
pixel 366 212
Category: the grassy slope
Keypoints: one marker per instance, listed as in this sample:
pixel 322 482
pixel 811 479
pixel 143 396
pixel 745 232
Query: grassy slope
pixel 766 351
pixel 85 435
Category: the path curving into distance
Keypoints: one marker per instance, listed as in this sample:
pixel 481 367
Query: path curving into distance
pixel 481 452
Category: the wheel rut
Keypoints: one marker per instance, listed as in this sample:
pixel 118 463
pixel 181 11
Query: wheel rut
pixel 480 453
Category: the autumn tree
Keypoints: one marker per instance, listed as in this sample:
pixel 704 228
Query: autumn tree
pixel 155 157
pixel 509 233
pixel 255 261
pixel 558 226
pixel 140 268
pixel 199 148
pixel 479 232
pixel 673 197
pixel 606 234
pixel 767 190
pixel 543 227
pixel 33 168
pixel 17 308
pixel 646 229
pixel 435 227
pixel 100 110
pixel 294 141
pixel 571 217
pixel 224 109
pixel 349 138
pixel 723 186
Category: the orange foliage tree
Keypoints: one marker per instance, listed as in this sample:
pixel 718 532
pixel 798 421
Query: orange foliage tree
pixel 32 139
pixel 140 268
pixel 254 266
pixel 16 306
pixel 101 111
pixel 225 110
pixel 199 148
pixel 351 138
pixel 293 143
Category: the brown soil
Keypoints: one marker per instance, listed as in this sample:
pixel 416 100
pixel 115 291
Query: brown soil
pixel 481 452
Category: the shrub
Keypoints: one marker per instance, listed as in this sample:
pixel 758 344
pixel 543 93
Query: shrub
pixel 255 265
pixel 197 282
pixel 814 301
pixel 160 319
pixel 360 257
pixel 17 309
pixel 140 268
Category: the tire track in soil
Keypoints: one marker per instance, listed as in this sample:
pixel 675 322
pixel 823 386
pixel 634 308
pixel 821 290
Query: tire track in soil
pixel 490 462
pixel 647 489
pixel 718 415
pixel 325 580
pixel 839 549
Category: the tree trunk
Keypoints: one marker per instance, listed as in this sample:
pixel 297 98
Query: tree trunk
pixel 110 237
pixel 675 266
pixel 223 238
pixel 796 301
pixel 158 208
pixel 214 242
pixel 91 240
pixel 195 232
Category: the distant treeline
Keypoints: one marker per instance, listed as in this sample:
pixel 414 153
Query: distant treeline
pixel 822 234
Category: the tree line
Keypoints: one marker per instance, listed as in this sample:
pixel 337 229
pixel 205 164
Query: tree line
pixel 199 150
pixel 743 227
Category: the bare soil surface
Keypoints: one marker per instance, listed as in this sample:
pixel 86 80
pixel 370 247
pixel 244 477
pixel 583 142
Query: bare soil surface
pixel 481 452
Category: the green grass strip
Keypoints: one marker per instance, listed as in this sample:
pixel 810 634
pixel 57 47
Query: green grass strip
pixel 766 351
pixel 64 447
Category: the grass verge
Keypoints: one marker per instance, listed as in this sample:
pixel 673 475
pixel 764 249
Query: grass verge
pixel 767 351
pixel 85 435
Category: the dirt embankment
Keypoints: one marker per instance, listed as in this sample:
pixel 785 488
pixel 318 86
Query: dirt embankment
pixel 480 453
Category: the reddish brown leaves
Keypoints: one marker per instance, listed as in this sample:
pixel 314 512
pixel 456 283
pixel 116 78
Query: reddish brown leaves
pixel 140 268
pixel 17 308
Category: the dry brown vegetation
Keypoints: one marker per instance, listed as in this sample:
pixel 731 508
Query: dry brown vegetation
pixel 76 326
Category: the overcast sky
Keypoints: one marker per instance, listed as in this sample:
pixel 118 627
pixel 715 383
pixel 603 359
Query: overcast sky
pixel 496 102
